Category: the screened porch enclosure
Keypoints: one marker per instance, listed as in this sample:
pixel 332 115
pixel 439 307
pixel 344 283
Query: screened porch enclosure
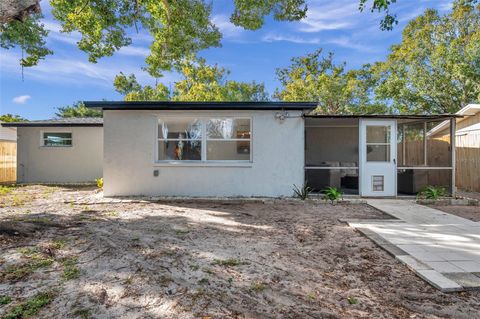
pixel 337 156
pixel 331 154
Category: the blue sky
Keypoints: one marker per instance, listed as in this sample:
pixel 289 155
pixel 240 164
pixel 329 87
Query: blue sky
pixel 67 76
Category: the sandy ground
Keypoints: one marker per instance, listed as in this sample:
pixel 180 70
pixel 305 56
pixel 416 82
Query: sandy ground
pixel 468 212
pixel 276 259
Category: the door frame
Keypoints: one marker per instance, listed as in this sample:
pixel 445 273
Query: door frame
pixel 362 140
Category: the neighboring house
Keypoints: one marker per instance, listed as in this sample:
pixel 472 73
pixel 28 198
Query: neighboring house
pixel 68 150
pixel 264 148
pixel 8 151
pixel 467 139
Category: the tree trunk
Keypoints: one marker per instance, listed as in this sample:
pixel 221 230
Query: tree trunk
pixel 17 9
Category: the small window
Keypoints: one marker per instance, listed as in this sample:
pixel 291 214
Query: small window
pixel 180 139
pixel 59 139
pixel 378 143
pixel 228 139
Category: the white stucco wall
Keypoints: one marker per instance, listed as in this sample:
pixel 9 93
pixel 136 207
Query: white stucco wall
pixel 129 161
pixel 77 164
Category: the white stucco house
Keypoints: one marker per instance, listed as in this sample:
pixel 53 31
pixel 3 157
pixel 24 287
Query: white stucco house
pixel 237 149
pixel 66 150
pixel 264 148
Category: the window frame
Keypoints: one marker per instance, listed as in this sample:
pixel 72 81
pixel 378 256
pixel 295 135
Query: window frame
pixel 203 142
pixel 43 139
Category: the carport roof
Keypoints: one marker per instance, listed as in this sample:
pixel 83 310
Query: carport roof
pixel 207 106
pixel 70 121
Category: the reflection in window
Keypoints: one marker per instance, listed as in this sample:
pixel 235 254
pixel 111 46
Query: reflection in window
pixel 180 139
pixel 378 143
pixel 57 139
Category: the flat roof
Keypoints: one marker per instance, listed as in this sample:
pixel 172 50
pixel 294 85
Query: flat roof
pixel 386 116
pixel 59 122
pixel 212 106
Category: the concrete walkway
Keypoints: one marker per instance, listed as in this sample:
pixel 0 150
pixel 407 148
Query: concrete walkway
pixel 441 248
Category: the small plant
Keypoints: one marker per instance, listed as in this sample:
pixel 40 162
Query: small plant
pixel 5 189
pixel 5 300
pixel 99 182
pixel 352 300
pixel 70 268
pixel 258 287
pixel 203 281
pixel 302 192
pixel 230 262
pixel 332 194
pixel 432 192
pixel 30 307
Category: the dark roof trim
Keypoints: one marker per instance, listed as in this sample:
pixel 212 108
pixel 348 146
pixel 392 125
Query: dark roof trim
pixel 388 116
pixel 211 106
pixel 33 124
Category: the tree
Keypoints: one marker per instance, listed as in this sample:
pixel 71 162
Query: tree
pixel 337 91
pixel 436 67
pixel 78 109
pixel 200 82
pixel 179 28
pixel 8 118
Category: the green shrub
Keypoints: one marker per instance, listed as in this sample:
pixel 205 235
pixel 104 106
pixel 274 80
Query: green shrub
pixel 5 300
pixel 99 182
pixel 432 192
pixel 332 194
pixel 302 192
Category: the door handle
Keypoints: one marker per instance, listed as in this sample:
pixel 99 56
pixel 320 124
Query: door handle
pixel 394 161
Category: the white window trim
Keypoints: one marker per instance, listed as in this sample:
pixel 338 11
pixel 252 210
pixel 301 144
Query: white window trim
pixel 204 162
pixel 42 139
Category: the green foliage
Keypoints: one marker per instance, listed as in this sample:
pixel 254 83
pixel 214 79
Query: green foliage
pixel 29 36
pixel 36 260
pixel 200 82
pixel 99 182
pixel 70 268
pixel 302 192
pixel 178 28
pixel 5 189
pixel 436 67
pixel 433 192
pixel 315 77
pixel 30 307
pixel 332 194
pixel 5 300
pixel 78 109
pixel 9 118
pixel 352 300
pixel 258 287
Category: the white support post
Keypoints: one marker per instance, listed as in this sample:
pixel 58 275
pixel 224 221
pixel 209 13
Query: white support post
pixel 453 129
pixel 404 156
pixel 425 143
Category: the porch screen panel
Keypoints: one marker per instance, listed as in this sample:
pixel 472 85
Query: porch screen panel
pixel 410 144
pixel 438 146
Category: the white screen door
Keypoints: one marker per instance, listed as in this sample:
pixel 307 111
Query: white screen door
pixel 378 157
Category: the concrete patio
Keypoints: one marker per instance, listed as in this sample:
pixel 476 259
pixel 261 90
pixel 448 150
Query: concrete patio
pixel 441 248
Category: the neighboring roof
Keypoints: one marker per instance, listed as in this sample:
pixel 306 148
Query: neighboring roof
pixel 68 121
pixel 386 116
pixel 469 110
pixel 7 133
pixel 172 105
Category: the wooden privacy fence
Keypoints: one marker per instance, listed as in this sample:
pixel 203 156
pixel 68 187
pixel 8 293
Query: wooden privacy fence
pixel 468 168
pixel 8 162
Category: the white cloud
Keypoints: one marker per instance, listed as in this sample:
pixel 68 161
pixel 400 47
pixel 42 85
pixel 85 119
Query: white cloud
pixel 228 29
pixel 272 37
pixel 327 15
pixel 22 99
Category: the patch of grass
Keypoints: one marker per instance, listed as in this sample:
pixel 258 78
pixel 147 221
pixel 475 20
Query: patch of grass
pixel 165 280
pixel 194 267
pixel 258 287
pixel 203 281
pixel 230 262
pixel 83 313
pixel 18 200
pixel 352 300
pixel 311 295
pixel 30 307
pixel 6 189
pixel 207 270
pixel 70 268
pixel 5 300
pixel 59 243
pixel 36 260
pixel 112 214
pixel 181 232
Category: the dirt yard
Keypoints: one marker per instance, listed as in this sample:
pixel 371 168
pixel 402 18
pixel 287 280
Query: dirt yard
pixel 63 255
pixel 468 212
